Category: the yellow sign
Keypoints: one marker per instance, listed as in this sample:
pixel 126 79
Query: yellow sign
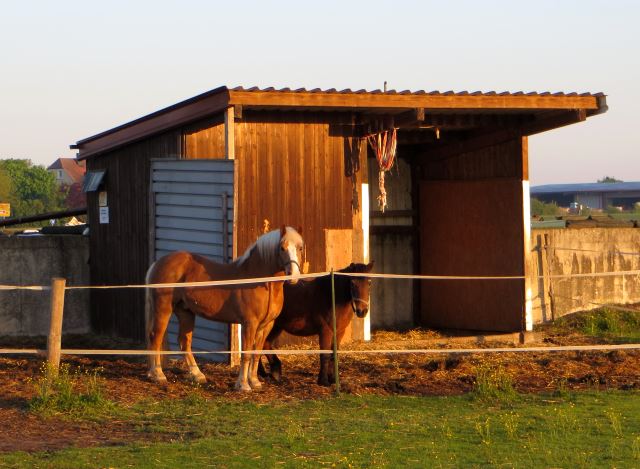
pixel 5 210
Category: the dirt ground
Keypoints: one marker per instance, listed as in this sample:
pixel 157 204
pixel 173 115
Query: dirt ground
pixel 388 374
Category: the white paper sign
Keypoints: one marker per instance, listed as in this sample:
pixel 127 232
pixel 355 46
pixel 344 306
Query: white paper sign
pixel 104 215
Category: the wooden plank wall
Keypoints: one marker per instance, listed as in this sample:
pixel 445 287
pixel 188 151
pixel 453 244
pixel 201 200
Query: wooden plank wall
pixel 471 223
pixel 291 170
pixel 120 249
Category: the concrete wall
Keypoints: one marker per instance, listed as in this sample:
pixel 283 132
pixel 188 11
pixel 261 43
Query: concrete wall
pixel 584 250
pixel 35 261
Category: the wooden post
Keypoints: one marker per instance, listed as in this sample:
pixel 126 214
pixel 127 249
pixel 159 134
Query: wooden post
pixel 335 335
pixel 55 329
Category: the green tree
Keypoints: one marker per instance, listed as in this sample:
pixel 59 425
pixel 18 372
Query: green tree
pixel 33 189
pixel 6 187
pixel 609 179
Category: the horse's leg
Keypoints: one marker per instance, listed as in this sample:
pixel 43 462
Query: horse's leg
pixel 331 366
pixel 262 373
pixel 275 365
pixel 261 335
pixel 185 335
pixel 160 314
pixel 325 339
pixel 248 339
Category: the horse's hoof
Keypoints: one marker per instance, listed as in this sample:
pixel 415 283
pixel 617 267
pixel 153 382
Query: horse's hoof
pixel 324 381
pixel 158 378
pixel 255 384
pixel 199 378
pixel 244 387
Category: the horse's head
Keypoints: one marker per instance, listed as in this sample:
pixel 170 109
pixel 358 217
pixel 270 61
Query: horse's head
pixel 360 288
pixel 290 251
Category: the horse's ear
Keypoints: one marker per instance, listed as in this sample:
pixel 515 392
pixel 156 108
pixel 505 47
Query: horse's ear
pixel 283 230
pixel 369 266
pixel 299 230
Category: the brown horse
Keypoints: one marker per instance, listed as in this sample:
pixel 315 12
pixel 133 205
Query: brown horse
pixel 307 311
pixel 254 306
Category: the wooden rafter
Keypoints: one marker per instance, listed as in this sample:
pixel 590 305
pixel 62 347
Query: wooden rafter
pixel 485 139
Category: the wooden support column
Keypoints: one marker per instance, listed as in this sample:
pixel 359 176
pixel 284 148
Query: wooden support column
pixel 54 341
pixel 360 223
pixel 229 134
pixel 230 154
pixel 527 320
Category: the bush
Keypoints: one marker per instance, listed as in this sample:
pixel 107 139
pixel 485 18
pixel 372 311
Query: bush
pixel 539 208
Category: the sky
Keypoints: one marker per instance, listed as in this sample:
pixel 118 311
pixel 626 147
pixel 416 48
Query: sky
pixel 71 69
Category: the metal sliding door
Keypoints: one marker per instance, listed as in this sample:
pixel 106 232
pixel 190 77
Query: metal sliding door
pixel 192 210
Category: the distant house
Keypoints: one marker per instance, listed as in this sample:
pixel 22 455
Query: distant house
pixel 67 171
pixel 596 195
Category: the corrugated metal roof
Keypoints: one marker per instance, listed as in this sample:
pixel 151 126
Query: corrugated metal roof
pixel 586 187
pixel 374 103
pixel 418 92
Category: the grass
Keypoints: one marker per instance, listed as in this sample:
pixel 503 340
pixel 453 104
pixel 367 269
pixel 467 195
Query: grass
pixel 606 323
pixel 68 392
pixel 581 430
pixel 493 384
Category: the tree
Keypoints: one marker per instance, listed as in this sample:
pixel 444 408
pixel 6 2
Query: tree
pixel 609 179
pixel 33 188
pixel 6 187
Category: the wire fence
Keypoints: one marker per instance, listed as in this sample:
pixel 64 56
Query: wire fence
pixel 335 351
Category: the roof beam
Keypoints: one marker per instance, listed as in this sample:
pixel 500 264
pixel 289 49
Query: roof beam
pixel 411 101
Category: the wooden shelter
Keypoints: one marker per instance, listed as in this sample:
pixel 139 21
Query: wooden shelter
pixel 458 197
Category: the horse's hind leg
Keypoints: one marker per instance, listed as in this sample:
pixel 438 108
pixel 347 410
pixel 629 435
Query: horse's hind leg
pixel 275 365
pixel 326 343
pixel 248 339
pixel 260 337
pixel 159 314
pixel 186 321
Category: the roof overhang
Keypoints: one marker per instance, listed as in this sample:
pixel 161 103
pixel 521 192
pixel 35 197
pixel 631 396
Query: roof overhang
pixel 548 110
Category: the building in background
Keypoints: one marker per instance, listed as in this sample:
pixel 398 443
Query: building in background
pixel 596 195
pixel 67 171
pixel 69 174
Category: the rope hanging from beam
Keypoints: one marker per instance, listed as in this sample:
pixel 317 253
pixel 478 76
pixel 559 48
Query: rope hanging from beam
pixel 384 145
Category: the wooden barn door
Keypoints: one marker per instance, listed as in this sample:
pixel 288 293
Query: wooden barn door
pixel 192 210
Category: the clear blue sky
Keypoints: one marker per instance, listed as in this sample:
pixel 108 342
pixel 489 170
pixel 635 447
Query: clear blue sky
pixel 70 69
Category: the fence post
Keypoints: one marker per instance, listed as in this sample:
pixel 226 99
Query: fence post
pixel 55 328
pixel 335 334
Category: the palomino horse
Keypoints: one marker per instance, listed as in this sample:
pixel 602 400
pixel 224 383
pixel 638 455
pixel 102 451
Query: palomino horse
pixel 254 306
pixel 307 311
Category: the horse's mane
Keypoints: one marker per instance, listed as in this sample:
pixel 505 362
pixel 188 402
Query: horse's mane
pixel 266 247
pixel 355 269
pixel 341 282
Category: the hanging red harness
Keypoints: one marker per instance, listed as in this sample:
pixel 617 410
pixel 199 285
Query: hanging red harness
pixel 384 145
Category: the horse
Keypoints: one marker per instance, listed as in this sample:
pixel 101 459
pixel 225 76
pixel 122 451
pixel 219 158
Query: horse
pixel 254 306
pixel 308 311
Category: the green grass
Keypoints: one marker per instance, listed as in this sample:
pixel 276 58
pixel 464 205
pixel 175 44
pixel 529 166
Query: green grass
pixel 606 323
pixel 73 393
pixel 579 430
pixel 493 384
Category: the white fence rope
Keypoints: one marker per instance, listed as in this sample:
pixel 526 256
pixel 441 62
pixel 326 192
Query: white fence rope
pixel 436 351
pixel 314 352
pixel 220 283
